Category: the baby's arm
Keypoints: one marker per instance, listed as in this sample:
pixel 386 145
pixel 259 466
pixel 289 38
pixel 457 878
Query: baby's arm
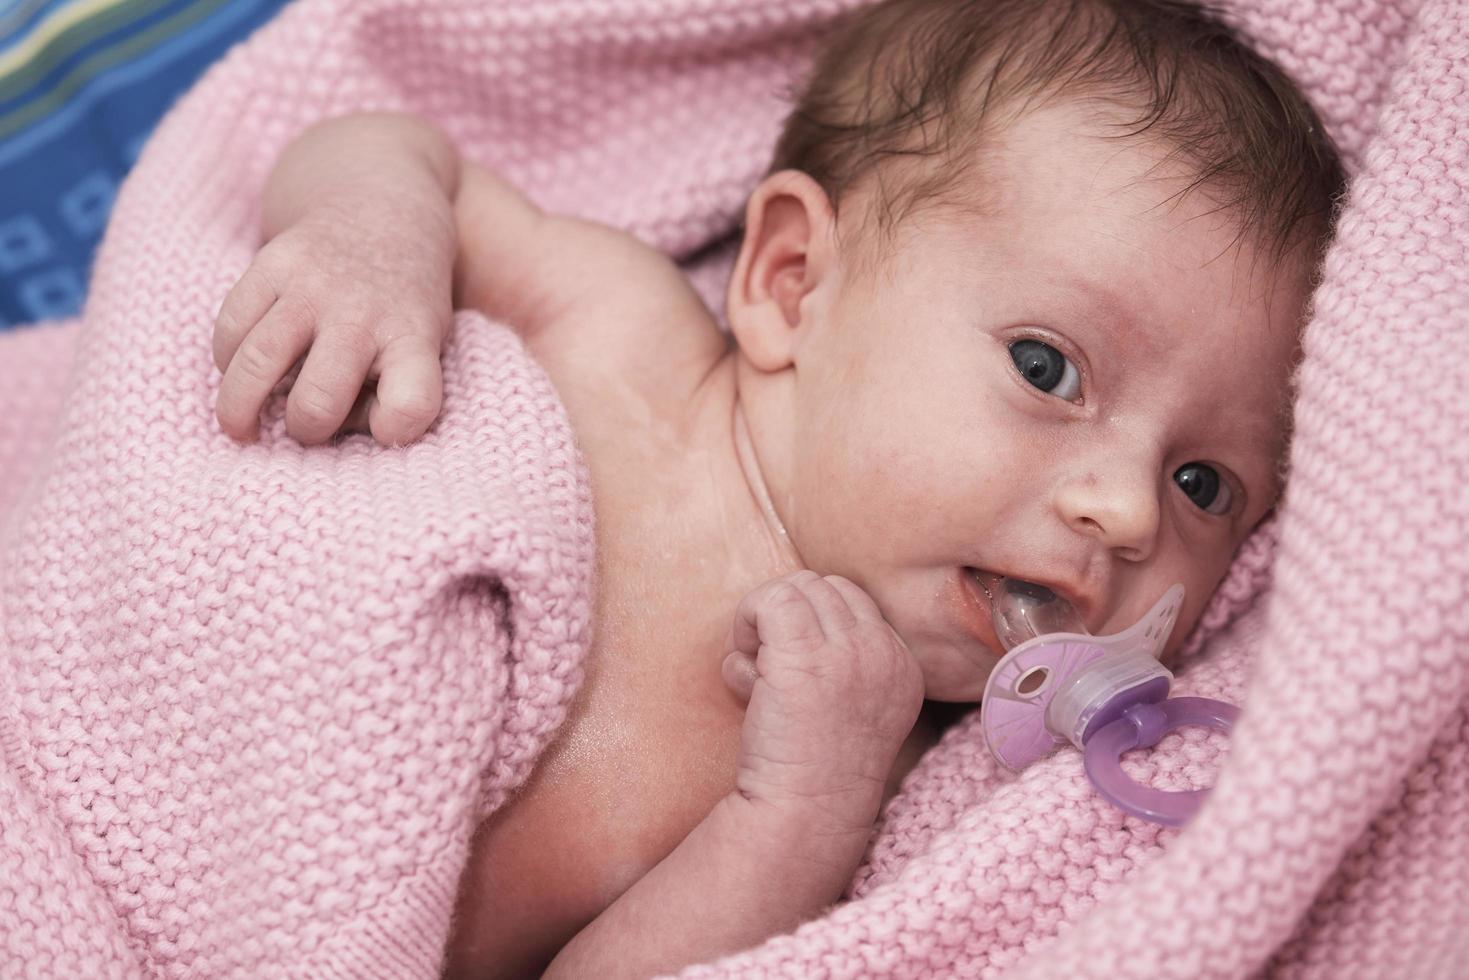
pixel 744 874
pixel 832 694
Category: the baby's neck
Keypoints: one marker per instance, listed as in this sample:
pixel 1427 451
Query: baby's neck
pixel 731 517
pixel 755 481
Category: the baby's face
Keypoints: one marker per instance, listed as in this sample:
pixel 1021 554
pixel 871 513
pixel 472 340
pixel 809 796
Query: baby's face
pixel 1082 382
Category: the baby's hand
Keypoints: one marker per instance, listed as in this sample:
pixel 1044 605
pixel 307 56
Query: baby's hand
pixel 832 694
pixel 359 287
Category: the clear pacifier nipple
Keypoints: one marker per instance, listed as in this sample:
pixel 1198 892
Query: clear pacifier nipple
pixel 1023 610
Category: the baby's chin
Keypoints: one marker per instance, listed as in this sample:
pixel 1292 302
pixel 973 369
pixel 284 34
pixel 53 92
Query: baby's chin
pixel 951 674
pixel 947 629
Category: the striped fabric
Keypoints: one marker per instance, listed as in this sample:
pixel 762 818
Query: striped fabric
pixel 82 83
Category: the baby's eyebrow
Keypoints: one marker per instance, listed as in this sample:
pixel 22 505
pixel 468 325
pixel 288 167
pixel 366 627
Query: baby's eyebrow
pixel 1118 308
pixel 1103 295
pixel 1243 439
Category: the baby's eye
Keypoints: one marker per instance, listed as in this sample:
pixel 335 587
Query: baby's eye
pixel 1201 484
pixel 1047 368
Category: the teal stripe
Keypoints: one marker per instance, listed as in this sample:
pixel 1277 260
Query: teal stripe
pixel 107 27
pixel 17 19
pixel 106 83
pixel 66 86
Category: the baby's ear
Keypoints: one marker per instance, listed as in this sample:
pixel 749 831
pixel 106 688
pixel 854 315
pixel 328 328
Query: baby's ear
pixel 789 245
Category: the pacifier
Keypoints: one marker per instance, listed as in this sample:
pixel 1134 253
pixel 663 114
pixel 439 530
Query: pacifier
pixel 1104 694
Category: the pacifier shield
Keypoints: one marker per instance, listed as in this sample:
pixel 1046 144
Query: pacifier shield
pixel 1020 688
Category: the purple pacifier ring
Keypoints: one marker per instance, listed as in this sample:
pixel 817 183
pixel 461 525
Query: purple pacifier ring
pixel 1140 726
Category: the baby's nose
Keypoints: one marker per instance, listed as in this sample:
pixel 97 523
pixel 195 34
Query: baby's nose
pixel 1119 507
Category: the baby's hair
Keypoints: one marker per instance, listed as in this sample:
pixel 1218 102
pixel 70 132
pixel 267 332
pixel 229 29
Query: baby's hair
pixel 920 79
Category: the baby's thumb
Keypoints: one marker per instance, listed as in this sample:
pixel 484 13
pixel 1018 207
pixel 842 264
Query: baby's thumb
pixel 739 674
pixel 410 391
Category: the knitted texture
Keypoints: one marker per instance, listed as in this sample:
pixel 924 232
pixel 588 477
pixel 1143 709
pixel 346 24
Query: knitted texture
pixel 254 699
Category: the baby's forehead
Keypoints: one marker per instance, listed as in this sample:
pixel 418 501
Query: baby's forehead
pixel 1075 156
pixel 1121 219
pixel 1072 164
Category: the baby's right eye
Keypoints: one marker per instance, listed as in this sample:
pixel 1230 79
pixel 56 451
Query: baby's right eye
pixel 1046 368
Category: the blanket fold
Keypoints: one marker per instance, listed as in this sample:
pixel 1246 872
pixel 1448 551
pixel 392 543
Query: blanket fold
pixel 254 700
pixel 259 698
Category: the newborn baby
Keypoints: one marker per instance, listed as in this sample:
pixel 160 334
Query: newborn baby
pixel 1020 297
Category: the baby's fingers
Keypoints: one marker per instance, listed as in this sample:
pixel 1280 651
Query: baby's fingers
pixel 264 357
pixel 243 307
pixel 858 602
pixel 410 390
pixel 778 613
pixel 329 383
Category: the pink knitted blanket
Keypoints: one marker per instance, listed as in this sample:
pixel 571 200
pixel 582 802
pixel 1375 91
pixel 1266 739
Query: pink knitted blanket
pixel 253 700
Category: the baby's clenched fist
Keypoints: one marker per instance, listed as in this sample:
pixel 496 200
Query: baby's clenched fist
pixel 832 694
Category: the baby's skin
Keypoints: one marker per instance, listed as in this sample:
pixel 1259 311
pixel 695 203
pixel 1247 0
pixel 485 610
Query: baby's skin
pixel 1066 371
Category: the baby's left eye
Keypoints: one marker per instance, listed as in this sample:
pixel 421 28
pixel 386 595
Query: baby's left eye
pixel 1200 482
pixel 1046 368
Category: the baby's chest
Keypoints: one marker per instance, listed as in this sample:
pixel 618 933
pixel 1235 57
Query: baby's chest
pixel 649 747
pixel 645 752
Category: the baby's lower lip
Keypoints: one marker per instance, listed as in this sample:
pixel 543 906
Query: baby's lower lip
pixel 978 586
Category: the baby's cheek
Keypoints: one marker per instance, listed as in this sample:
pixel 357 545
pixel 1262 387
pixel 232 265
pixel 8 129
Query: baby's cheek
pixel 913 480
pixel 1200 599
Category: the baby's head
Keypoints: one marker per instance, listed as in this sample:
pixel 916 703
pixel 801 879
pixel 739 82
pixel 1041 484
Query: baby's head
pixel 1022 296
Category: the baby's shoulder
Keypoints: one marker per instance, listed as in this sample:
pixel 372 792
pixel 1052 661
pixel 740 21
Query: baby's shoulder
pixel 628 323
pixel 592 302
